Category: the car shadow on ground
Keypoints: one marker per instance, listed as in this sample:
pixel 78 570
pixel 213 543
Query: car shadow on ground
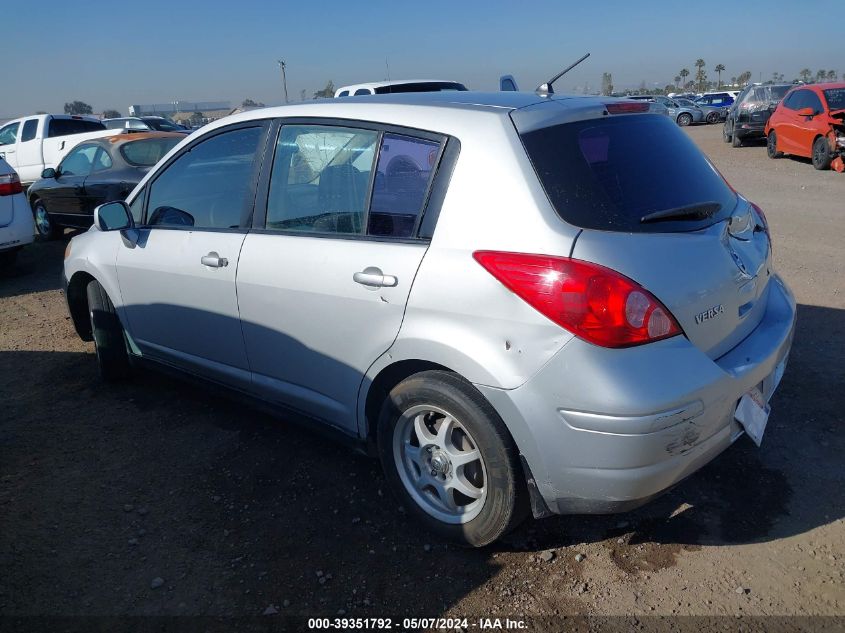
pixel 31 270
pixel 106 487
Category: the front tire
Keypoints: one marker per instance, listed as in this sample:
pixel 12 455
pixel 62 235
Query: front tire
pixel 772 145
pixel 449 458
pixel 821 154
pixel 684 119
pixel 44 225
pixel 109 342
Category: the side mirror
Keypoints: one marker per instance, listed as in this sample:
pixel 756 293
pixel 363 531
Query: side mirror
pixel 806 112
pixel 49 173
pixel 113 216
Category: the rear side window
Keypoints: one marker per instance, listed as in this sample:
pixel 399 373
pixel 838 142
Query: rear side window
pixel 63 127
pixel 350 181
pixel 147 152
pixel 835 98
pixel 405 168
pixel 609 173
pixel 362 91
pixel 29 129
pixel 321 177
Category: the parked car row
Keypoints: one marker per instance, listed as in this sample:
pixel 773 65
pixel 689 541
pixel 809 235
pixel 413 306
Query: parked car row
pixel 805 120
pixel 708 108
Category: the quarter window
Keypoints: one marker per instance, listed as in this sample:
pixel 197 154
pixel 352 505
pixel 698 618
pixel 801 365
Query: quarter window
pixel 208 186
pixel 405 167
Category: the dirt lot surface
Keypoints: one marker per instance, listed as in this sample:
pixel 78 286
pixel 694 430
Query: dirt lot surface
pixel 108 491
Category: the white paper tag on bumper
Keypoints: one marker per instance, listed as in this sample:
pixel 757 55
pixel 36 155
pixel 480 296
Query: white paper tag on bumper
pixel 752 413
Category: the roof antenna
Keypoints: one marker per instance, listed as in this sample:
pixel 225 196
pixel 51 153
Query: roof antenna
pixel 387 65
pixel 544 90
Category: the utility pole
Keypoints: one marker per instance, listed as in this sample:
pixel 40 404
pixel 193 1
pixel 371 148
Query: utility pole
pixel 282 65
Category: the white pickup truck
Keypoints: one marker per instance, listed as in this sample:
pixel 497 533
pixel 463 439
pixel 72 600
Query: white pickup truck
pixel 34 143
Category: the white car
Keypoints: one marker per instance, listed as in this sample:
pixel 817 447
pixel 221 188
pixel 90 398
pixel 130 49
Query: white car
pixel 35 143
pixel 16 225
pixel 397 86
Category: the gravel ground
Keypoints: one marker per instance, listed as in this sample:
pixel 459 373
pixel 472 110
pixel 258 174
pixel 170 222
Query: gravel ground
pixel 157 497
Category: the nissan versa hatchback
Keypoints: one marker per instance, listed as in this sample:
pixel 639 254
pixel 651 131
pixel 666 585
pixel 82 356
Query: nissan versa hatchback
pixel 519 303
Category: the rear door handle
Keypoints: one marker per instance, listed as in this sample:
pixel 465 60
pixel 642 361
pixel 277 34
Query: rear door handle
pixel 214 260
pixel 372 277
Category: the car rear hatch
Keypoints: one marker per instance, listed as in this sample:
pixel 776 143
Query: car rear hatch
pixel 654 208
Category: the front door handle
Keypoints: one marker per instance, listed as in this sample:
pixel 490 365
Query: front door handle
pixel 214 260
pixel 372 277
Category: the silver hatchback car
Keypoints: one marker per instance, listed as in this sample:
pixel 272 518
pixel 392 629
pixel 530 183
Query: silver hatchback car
pixel 520 303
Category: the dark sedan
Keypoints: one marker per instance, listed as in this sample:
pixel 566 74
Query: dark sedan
pixel 94 172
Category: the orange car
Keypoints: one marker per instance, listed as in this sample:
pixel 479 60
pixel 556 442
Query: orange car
pixel 810 122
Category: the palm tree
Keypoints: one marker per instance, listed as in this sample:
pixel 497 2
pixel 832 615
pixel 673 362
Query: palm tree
pixel 683 74
pixel 700 75
pixel 820 76
pixel 806 74
pixel 719 69
pixel 831 75
pixel 677 80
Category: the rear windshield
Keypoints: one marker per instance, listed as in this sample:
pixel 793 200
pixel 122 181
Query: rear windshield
pixel 428 86
pixel 835 98
pixel 767 94
pixel 609 173
pixel 147 152
pixel 63 127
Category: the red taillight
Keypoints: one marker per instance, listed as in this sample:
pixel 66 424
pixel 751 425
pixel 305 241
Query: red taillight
pixel 626 107
pixel 10 184
pixel 593 302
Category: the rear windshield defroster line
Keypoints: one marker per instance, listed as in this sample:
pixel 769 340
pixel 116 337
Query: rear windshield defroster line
pixel 610 173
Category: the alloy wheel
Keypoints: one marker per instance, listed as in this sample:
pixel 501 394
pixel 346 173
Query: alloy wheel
pixel 439 464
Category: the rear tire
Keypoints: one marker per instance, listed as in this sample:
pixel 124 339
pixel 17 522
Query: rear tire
pixel 44 225
pixel 772 145
pixel 736 140
pixel 821 154
pixel 725 136
pixel 712 117
pixel 109 342
pixel 427 466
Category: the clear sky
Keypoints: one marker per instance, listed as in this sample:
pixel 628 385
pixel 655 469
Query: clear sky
pixel 113 54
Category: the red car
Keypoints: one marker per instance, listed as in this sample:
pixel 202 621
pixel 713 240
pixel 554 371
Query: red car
pixel 810 122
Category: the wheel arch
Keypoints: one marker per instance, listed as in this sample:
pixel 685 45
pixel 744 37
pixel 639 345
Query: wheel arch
pixel 380 385
pixel 77 303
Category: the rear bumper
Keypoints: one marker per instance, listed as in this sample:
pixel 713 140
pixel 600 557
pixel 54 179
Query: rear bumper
pixel 20 231
pixel 749 129
pixel 607 430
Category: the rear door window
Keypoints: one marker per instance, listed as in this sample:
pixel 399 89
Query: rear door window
pixel 321 178
pixel 30 128
pixel 63 127
pixel 609 173
pixel 350 181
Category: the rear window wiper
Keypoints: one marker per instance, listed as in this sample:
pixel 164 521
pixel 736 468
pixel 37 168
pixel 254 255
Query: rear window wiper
pixel 697 211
